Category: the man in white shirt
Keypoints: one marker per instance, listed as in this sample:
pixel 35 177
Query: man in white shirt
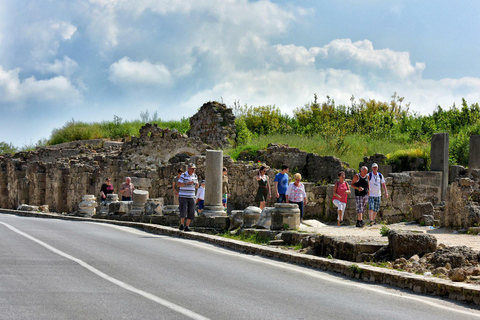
pixel 187 184
pixel 376 182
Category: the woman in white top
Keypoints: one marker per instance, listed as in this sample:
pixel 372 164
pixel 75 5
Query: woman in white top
pixel 296 193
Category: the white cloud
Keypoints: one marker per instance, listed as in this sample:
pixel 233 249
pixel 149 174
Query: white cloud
pixel 14 91
pixel 64 67
pixel 129 72
pixel 65 29
pixel 361 57
pixel 295 55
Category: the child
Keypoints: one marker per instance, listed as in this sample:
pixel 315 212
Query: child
pixel 201 196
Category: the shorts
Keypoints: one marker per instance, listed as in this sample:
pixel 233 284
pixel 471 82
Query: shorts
pixel 224 198
pixel 340 205
pixel 374 203
pixel 186 207
pixel 361 203
pixel 201 204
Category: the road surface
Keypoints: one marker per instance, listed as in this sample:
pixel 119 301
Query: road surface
pixel 57 269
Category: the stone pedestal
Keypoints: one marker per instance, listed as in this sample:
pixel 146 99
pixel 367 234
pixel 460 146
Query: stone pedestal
pixel 88 205
pixel 112 197
pixel 265 220
pixel 171 210
pixel 120 207
pixel 251 215
pixel 154 206
pixel 139 199
pixel 439 156
pixel 213 184
pixel 285 216
pixel 474 157
pixel 236 219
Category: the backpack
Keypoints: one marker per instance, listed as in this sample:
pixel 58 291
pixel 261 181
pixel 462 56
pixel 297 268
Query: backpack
pixel 370 176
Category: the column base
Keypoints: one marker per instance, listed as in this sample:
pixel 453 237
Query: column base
pixel 213 211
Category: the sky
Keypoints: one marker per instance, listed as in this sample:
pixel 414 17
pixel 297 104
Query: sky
pixel 91 60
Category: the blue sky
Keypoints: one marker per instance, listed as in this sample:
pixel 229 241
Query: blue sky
pixel 91 60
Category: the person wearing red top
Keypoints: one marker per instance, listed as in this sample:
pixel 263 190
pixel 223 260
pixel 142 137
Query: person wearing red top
pixel 341 191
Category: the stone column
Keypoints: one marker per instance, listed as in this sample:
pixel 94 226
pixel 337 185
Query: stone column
pixel 139 198
pixel 213 184
pixel 439 158
pixel 474 158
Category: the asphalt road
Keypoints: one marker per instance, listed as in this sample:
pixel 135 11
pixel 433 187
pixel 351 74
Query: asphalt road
pixel 57 269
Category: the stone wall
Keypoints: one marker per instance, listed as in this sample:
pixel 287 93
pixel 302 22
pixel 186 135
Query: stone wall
pixel 60 177
pixel 462 204
pixel 315 168
pixel 214 124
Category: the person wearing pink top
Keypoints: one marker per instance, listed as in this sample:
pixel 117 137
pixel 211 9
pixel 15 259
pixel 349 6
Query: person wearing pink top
pixel 341 191
pixel 296 193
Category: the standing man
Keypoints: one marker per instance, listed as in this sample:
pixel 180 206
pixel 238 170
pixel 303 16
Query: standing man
pixel 175 186
pixel 187 183
pixel 281 184
pixel 126 189
pixel 360 184
pixel 375 180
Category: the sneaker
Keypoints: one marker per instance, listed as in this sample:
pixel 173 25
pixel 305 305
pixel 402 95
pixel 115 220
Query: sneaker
pixel 362 223
pixel 187 229
pixel 358 225
pixel 181 227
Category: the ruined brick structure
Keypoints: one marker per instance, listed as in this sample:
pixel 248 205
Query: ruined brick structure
pixel 214 124
pixel 60 177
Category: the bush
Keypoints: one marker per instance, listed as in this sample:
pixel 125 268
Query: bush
pixel 7 148
pixel 404 160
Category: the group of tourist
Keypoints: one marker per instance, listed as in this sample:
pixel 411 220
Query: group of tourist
pixel 126 189
pixel 293 192
pixel 368 191
pixel 367 187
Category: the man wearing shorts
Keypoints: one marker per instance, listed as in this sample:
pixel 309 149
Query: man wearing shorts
pixel 376 182
pixel 187 184
pixel 360 184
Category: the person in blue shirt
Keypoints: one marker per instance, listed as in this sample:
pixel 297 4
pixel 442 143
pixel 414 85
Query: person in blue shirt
pixel 281 184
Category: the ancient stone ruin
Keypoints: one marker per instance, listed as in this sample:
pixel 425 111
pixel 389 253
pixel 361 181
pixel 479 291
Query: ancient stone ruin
pixel 214 124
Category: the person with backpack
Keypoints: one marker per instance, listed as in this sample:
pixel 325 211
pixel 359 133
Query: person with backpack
pixel 376 183
pixel 360 184
pixel 341 190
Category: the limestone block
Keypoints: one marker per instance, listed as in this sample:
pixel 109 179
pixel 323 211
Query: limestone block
pixel 88 205
pixel 139 197
pixel 285 214
pixel 171 210
pixel 428 220
pixel 236 219
pixel 402 178
pixel 406 244
pixel 26 207
pixel 421 209
pixel 154 206
pixel 251 215
pixel 265 219
pixel 120 207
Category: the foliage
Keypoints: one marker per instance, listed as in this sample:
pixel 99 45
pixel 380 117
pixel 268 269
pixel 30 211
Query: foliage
pixel 352 132
pixel 354 268
pixel 402 160
pixel 384 230
pixel 116 129
pixel 7 148
pixel 256 238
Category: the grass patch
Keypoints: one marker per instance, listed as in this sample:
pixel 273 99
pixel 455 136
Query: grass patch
pixel 351 149
pixel 252 238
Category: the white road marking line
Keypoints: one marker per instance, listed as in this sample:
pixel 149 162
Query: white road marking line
pixel 284 265
pixel 117 282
